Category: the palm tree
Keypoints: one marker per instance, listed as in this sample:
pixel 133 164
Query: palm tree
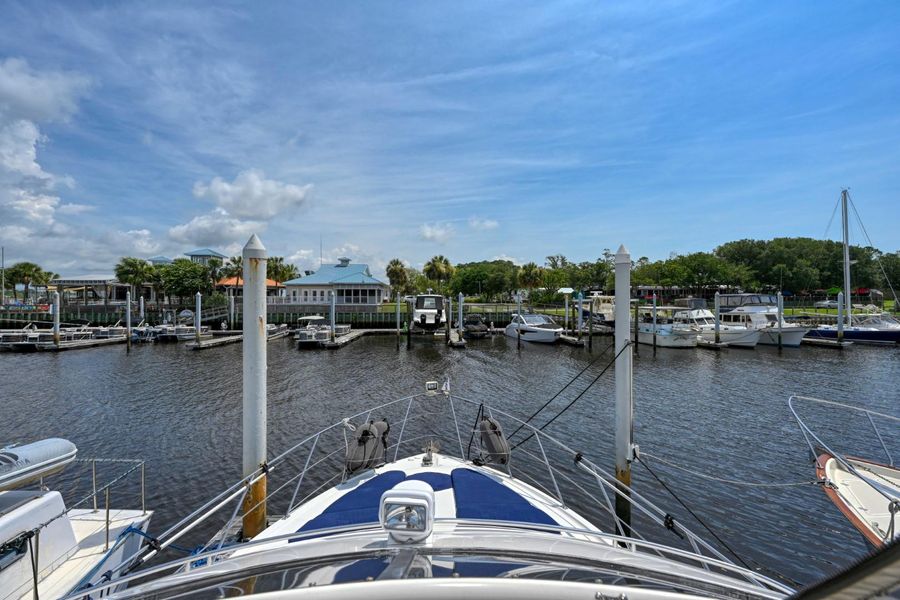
pixel 28 274
pixel 133 271
pixel 530 276
pixel 396 273
pixel 438 269
pixel 280 271
pixel 214 269
pixel 234 267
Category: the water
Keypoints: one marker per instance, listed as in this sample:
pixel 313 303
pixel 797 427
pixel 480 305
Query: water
pixel 722 413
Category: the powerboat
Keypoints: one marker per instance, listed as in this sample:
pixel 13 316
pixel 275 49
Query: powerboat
pixel 866 491
pixel 311 330
pixel 474 326
pixel 663 330
pixel 401 501
pixel 760 311
pixel 534 327
pixel 49 549
pixel 428 312
pixel 702 319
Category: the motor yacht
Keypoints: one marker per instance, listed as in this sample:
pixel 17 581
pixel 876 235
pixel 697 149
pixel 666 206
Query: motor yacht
pixel 663 330
pixel 428 312
pixel 534 327
pixel 702 319
pixel 760 311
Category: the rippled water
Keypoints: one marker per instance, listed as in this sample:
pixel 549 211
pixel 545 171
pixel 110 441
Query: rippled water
pixel 723 413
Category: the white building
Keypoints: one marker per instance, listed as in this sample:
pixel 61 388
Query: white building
pixel 352 284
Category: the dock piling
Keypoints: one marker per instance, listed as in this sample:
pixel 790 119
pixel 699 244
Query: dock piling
pixel 780 316
pixel 198 304
pixel 624 399
pixel 128 321
pixel 448 317
pixel 580 316
pixel 459 319
pixel 397 310
pixel 409 316
pixel 654 320
pixel 591 326
pixel 518 325
pixel 718 307
pixel 254 392
pixel 636 330
pixel 840 318
pixel 333 314
pixel 56 318
pixel 141 306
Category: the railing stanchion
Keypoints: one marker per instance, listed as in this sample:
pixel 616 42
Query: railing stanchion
pixel 106 494
pixel 878 434
pixel 402 427
pixel 303 473
pixel 143 495
pixel 94 482
pixel 537 435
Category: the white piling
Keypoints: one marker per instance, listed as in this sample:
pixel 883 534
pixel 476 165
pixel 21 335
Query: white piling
pixel 566 321
pixel 254 372
pixel 128 320
pixel 780 315
pixel 518 319
pixel 580 320
pixel 840 317
pixel 718 307
pixel 231 313
pixel 142 314
pixel 654 320
pixel 56 318
pixel 198 306
pixel 397 309
pixel 624 399
pixel 333 314
pixel 459 319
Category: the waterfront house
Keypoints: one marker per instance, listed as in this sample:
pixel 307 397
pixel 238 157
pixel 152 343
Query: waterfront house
pixel 203 256
pixel 234 286
pixel 160 260
pixel 353 285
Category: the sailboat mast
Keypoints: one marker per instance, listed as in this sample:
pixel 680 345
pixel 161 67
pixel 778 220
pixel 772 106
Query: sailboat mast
pixel 846 226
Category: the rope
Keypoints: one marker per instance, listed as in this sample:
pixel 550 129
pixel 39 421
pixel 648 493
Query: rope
pixel 759 566
pixel 627 345
pixel 34 564
pixel 729 481
pixel 556 395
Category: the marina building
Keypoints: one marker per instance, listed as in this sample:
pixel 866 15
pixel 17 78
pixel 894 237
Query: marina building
pixel 353 285
pixel 203 255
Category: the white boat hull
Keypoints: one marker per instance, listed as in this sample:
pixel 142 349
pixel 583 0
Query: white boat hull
pixel 737 338
pixel 790 336
pixel 667 338
pixel 533 334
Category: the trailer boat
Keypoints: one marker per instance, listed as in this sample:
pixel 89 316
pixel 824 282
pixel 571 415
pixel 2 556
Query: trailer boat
pixel 533 327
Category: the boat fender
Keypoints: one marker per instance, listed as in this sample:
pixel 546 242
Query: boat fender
pixel 494 446
pixel 371 443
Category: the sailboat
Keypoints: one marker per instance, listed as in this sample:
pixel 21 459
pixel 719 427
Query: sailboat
pixel 861 328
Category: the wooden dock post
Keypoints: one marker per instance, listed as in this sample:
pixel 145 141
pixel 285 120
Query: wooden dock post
pixel 580 319
pixel 448 317
pixel 56 318
pixel 591 326
pixel 718 306
pixel 636 330
pixel 333 314
pixel 409 316
pixel 459 319
pixel 254 392
pixel 397 310
pixel 128 321
pixel 780 299
pixel 519 325
pixel 654 320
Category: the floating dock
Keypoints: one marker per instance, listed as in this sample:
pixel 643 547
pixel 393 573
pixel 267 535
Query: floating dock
pixel 224 340
pixel 825 342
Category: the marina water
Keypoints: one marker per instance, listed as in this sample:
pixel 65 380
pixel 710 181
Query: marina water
pixel 723 414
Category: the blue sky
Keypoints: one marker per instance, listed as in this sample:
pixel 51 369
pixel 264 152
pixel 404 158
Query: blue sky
pixel 470 129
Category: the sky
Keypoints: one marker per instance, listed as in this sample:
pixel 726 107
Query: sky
pixel 475 130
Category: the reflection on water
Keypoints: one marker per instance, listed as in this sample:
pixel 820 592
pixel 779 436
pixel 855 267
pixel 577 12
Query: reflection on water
pixel 722 413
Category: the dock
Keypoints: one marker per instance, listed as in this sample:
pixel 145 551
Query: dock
pixel 77 344
pixel 572 340
pixel 825 343
pixel 224 340
pixel 711 345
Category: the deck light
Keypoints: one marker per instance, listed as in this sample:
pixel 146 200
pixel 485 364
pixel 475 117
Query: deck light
pixel 407 511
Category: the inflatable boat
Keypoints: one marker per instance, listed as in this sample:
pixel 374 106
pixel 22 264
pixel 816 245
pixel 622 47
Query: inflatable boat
pixel 20 465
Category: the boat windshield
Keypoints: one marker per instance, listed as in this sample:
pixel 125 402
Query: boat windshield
pixel 428 302
pixel 537 320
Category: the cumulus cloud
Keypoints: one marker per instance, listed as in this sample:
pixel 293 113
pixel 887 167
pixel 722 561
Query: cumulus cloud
pixel 252 196
pixel 483 224
pixel 217 228
pixel 38 96
pixel 436 232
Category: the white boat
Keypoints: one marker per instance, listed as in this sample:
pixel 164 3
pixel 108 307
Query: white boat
pixel 760 311
pixel 534 328
pixel 702 319
pixel 428 312
pixel 426 516
pixel 46 545
pixel 860 329
pixel 866 491
pixel 311 330
pixel 664 331
pixel 20 465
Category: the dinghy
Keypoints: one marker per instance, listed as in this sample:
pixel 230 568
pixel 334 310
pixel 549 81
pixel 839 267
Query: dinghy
pixel 20 465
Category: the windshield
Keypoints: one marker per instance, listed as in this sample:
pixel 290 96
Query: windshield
pixel 428 302
pixel 536 319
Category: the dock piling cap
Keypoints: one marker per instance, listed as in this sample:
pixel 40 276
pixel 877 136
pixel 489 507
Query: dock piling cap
pixel 254 248
pixel 622 255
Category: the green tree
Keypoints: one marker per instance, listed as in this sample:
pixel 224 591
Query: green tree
pixel 530 277
pixel 397 276
pixel 234 267
pixel 27 274
pixel 214 273
pixel 280 271
pixel 133 271
pixel 184 278
pixel 439 269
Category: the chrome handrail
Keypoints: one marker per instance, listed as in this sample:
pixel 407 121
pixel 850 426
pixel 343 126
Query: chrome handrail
pixel 702 551
pixel 211 557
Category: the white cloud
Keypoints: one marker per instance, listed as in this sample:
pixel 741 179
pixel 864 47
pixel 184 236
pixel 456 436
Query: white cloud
pixel 483 224
pixel 38 96
pixel 251 195
pixel 512 259
pixel 72 208
pixel 217 228
pixel 437 232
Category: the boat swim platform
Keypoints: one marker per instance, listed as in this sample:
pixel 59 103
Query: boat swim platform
pixel 711 345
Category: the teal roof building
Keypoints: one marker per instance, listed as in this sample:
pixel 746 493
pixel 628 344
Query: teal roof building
pixel 352 284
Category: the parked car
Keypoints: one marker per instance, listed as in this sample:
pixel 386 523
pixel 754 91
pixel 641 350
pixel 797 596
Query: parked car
pixel 826 304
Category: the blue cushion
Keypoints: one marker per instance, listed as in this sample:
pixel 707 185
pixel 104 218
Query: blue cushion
pixel 437 481
pixel 480 497
pixel 357 506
